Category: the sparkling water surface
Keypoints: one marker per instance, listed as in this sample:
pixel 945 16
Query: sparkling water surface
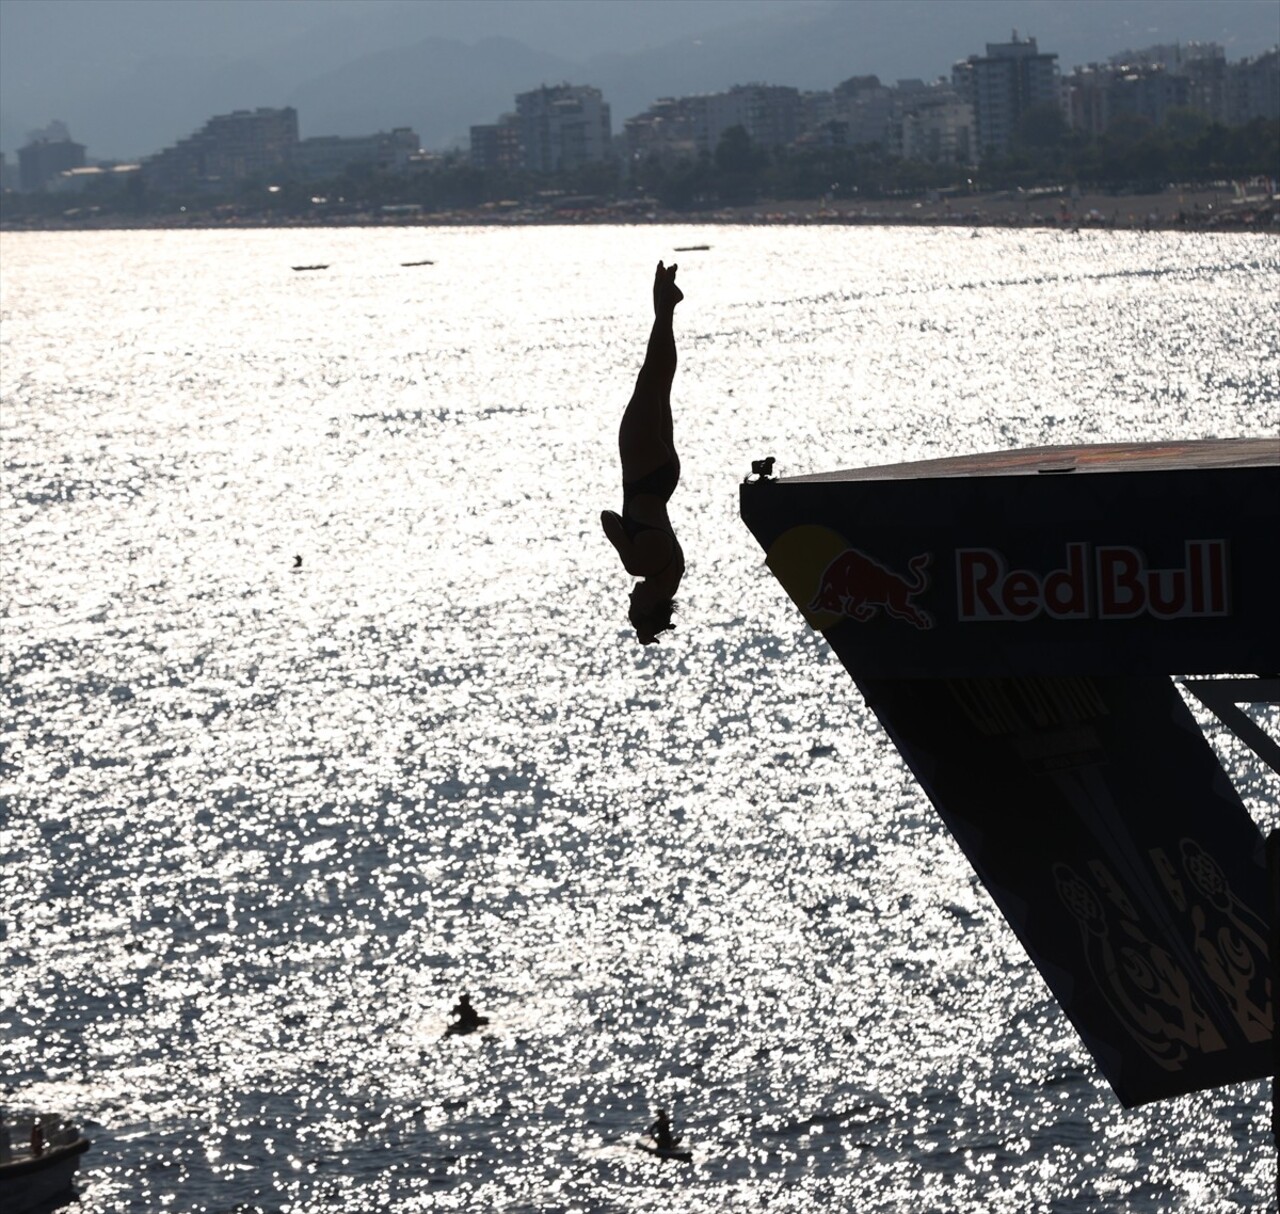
pixel 261 826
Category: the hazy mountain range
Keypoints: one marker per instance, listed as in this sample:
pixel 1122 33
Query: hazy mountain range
pixel 132 76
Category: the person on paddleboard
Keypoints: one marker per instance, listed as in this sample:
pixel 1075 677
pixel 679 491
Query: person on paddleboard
pixel 467 1016
pixel 642 533
pixel 661 1133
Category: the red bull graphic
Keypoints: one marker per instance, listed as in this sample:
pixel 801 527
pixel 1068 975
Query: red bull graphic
pixel 1116 585
pixel 856 586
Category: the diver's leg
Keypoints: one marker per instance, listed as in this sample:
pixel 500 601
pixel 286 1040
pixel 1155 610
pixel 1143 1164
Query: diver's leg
pixel 645 439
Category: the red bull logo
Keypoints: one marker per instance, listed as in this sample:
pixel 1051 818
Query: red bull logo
pixel 855 586
pixel 831 581
pixel 1116 585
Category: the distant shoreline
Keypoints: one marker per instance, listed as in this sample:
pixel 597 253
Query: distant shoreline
pixel 1172 210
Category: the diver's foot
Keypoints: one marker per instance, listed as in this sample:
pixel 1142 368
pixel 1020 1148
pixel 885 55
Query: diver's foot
pixel 665 292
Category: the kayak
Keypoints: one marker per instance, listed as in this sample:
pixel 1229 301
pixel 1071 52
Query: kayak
pixel 650 1147
pixel 461 1030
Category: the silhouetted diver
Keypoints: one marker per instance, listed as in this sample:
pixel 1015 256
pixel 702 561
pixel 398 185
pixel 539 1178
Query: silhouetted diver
pixel 642 533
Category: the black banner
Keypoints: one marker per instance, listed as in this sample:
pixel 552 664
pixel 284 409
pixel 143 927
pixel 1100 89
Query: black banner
pixel 1099 819
pixel 1013 621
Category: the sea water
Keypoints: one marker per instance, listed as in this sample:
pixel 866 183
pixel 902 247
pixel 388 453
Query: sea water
pixel 320 707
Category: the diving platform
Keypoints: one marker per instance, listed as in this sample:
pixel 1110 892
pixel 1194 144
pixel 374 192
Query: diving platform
pixel 1020 623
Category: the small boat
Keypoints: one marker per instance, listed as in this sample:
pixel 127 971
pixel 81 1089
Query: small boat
pixel 460 1029
pixel 417 263
pixel 32 1182
pixel 317 267
pixel 651 1147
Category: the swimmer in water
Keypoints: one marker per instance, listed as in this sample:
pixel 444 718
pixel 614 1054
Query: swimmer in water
pixel 642 533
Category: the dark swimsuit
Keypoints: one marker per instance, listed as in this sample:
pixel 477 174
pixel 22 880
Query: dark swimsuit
pixel 660 483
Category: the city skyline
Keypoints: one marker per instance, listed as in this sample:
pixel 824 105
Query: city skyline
pixel 1056 86
pixel 404 86
pixel 1010 100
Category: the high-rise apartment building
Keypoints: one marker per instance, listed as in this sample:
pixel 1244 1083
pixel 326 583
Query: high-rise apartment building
pixel 769 113
pixel 936 127
pixel 772 116
pixel 1253 88
pixel 326 156
pixel 665 131
pixel 867 110
pixel 1151 83
pixel 1002 85
pixel 227 149
pixel 46 154
pixel 562 126
pixel 1202 66
pixel 496 145
pixel 1149 94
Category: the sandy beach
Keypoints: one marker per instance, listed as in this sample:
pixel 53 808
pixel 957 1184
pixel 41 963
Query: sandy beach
pixel 1172 208
pixel 1222 208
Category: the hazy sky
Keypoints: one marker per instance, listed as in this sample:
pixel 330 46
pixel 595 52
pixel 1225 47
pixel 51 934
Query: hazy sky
pixel 82 60
pixel 90 35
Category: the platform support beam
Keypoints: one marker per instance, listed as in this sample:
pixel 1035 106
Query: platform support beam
pixel 1273 883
